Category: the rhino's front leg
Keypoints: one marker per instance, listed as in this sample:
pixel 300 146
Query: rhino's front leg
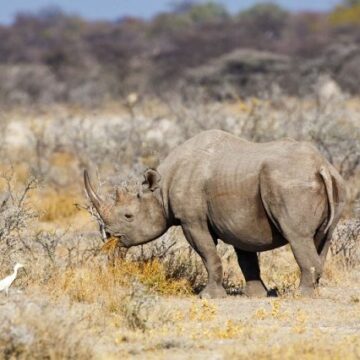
pixel 203 243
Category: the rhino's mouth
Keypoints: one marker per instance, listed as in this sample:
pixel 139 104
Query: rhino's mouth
pixel 106 234
pixel 122 239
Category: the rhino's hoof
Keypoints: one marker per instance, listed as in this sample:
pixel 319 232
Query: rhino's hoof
pixel 255 288
pixel 212 292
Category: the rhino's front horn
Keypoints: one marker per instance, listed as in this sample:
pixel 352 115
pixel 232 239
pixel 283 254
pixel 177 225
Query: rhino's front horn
pixel 95 199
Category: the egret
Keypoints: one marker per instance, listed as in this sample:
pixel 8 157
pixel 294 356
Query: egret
pixel 6 283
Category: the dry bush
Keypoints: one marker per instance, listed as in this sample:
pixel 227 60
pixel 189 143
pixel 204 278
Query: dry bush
pixel 173 260
pixel 127 291
pixel 186 265
pixel 33 328
pixel 139 307
pixel 279 270
pixel 345 245
pixel 15 217
pixel 88 282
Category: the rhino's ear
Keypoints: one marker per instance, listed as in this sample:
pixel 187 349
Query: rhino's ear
pixel 152 179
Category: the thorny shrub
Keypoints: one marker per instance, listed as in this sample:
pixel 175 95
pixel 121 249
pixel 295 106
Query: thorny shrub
pixel 346 243
pixel 15 216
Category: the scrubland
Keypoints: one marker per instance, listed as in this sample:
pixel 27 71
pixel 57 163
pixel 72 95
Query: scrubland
pixel 81 298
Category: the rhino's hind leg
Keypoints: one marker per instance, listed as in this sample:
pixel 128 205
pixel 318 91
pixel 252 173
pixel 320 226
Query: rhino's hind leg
pixel 203 243
pixel 309 262
pixel 249 265
pixel 296 208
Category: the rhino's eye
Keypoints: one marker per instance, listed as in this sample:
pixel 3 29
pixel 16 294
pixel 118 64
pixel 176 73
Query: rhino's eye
pixel 129 217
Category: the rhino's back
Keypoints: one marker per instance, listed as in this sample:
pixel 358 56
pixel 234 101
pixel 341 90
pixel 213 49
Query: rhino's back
pixel 206 146
pixel 212 153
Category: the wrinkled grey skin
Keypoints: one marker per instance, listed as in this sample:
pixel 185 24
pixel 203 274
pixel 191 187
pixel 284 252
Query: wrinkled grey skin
pixel 254 196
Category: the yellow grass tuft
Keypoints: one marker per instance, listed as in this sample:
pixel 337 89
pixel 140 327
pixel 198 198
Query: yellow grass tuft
pixel 110 246
pixel 231 330
pixel 53 206
pixel 153 274
pixel 206 311
pixel 92 283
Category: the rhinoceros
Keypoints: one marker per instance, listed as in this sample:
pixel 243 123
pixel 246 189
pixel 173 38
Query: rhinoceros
pixel 253 196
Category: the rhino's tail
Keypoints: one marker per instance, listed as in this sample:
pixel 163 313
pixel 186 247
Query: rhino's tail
pixel 325 174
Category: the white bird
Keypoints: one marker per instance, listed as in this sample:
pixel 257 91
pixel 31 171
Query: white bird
pixel 6 283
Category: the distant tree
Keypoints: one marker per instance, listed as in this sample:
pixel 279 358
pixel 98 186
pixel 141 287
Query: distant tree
pixel 266 18
pixel 351 3
pixel 200 13
pixel 186 14
pixel 168 23
pixel 207 12
pixel 346 16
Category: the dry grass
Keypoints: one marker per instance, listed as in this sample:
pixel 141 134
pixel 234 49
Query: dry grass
pixel 349 348
pixel 78 304
pixel 54 206
pixel 140 310
pixel 91 282
pixel 32 328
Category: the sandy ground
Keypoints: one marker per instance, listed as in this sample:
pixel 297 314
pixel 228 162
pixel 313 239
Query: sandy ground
pixel 327 326
pixel 239 327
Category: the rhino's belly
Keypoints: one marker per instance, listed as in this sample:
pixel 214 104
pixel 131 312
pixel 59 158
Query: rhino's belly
pixel 244 224
pixel 255 242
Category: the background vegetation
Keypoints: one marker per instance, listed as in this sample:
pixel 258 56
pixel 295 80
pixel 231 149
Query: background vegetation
pixel 50 56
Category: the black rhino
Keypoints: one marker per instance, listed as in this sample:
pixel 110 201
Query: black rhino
pixel 253 196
